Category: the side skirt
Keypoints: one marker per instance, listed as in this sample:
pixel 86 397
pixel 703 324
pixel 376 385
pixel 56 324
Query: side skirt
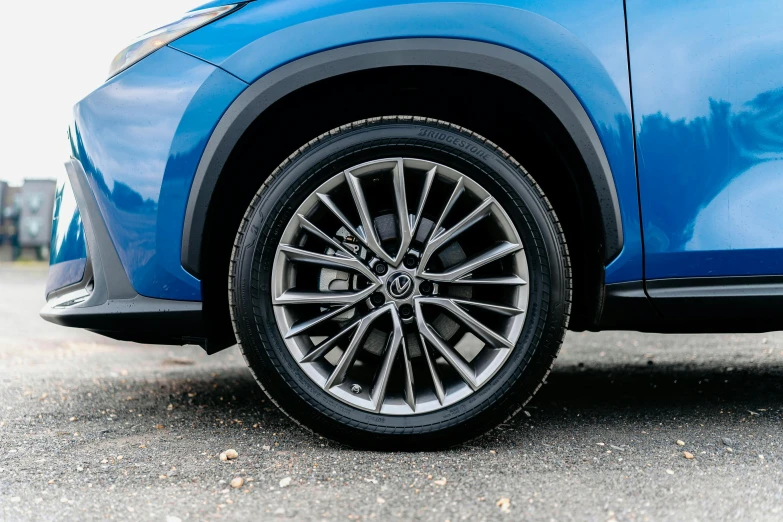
pixel 742 304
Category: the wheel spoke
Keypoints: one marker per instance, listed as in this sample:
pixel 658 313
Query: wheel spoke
pixel 326 345
pixel 436 382
pixel 305 256
pixel 449 354
pixel 302 326
pixel 459 188
pixel 510 280
pixel 438 239
pixel 307 225
pixel 409 390
pixel 296 297
pixel 330 204
pixel 400 198
pixel 368 227
pixel 345 362
pixel 430 177
pixel 392 348
pixel 454 274
pixel 498 309
pixel 489 336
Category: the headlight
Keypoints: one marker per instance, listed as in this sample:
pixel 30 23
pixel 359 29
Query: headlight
pixel 154 40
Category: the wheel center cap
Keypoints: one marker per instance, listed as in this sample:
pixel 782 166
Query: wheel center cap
pixel 400 285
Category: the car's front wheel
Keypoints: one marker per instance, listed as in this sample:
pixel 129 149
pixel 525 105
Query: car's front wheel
pixel 400 282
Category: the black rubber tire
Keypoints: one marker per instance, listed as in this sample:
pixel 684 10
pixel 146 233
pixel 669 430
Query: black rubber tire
pixel 270 211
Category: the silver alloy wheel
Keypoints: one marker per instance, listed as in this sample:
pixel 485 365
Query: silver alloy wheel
pixel 395 308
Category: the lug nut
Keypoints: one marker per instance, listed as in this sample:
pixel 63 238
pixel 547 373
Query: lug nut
pixel 410 261
pixel 406 311
pixel 380 268
pixel 426 288
pixel 356 389
pixel 377 299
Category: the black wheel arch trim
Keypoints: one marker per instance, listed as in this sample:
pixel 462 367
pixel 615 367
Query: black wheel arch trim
pixel 499 61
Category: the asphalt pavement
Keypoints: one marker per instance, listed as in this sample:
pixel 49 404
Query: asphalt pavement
pixel 95 429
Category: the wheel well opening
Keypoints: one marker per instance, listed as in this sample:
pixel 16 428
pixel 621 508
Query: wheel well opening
pixel 500 110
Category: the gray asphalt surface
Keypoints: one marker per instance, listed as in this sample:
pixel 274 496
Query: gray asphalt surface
pixel 96 429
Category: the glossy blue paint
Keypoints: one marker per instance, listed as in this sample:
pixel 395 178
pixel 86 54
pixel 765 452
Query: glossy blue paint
pixel 68 248
pixel 582 42
pixel 708 100
pixel 140 137
pixel 217 3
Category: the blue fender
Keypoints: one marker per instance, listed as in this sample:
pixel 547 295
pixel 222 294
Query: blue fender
pixel 581 43
pixel 139 138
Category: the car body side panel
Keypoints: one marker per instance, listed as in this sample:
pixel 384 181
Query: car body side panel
pixel 708 99
pixel 139 137
pixel 582 42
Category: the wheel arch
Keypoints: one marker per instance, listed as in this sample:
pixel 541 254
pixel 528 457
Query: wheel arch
pixel 493 60
pixel 462 54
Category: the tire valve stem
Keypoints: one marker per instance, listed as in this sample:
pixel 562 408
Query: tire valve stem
pixel 356 389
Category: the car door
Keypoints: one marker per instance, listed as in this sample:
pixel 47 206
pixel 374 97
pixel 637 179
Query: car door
pixel 707 88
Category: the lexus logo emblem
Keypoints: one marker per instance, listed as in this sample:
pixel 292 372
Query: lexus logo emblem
pixel 400 285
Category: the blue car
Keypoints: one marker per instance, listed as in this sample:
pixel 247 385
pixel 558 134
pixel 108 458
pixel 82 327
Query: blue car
pixel 398 207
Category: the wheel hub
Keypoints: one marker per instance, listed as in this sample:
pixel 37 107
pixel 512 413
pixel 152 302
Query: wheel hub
pixel 400 285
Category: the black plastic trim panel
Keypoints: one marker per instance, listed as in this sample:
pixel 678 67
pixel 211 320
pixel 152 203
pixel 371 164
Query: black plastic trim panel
pixel 463 54
pixel 741 304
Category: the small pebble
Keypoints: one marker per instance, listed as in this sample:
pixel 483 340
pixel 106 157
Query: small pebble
pixel 229 455
pixel 687 455
pixel 504 504
pixel 727 441
pixel 238 482
pixel 680 443
pixel 284 483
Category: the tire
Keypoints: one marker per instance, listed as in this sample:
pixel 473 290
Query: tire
pixel 260 261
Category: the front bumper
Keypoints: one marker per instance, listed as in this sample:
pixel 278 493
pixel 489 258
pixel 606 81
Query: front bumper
pixel 103 300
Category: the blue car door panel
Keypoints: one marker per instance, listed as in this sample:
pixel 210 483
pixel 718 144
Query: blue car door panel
pixel 708 104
